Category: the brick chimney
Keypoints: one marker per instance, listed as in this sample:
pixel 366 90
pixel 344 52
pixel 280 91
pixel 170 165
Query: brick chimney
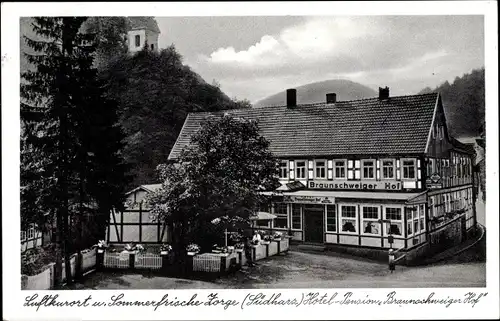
pixel 291 98
pixel 331 98
pixel 383 93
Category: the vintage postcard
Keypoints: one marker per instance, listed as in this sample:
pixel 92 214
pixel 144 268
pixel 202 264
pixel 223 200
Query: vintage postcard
pixel 283 160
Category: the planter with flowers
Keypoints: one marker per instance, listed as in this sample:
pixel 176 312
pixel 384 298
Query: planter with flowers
pixel 101 246
pixel 277 236
pixel 192 249
pixel 130 247
pixel 266 239
pixel 165 249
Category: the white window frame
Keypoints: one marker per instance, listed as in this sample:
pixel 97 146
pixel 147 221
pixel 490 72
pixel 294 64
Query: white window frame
pixel 297 169
pixel 336 218
pixel 23 236
pixel 421 215
pixel 374 167
pixel 335 168
pixel 31 231
pixel 325 168
pixel 414 218
pixel 341 219
pixel 403 169
pixel 281 162
pixel 281 215
pixel 393 168
pixel 386 231
pixel 300 215
pixel 363 219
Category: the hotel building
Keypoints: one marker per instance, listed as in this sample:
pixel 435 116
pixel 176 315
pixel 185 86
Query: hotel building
pixel 365 175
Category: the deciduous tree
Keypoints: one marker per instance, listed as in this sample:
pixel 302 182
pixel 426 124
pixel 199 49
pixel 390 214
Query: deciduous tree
pixel 220 175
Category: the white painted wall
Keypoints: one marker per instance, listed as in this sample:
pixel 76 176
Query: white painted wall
pixel 145 35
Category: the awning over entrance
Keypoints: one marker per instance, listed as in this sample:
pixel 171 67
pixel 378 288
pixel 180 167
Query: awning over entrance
pixel 262 216
pixel 418 199
pixel 290 187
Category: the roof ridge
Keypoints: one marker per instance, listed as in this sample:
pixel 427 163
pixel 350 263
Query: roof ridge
pixel 309 104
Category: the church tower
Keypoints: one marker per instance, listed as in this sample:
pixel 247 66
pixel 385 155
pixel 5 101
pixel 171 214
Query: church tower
pixel 142 30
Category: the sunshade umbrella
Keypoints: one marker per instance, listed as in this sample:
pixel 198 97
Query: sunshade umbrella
pixel 262 216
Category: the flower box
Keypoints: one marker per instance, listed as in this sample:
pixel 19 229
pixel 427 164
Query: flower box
pixel 164 252
pixel 192 253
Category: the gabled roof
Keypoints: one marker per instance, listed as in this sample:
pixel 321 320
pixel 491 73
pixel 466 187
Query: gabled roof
pixel 148 23
pixel 146 187
pixel 398 125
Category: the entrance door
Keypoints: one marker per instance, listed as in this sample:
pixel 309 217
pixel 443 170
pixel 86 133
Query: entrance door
pixel 313 217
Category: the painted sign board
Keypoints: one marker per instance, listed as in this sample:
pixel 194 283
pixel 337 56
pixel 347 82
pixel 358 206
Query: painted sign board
pixel 308 199
pixel 434 185
pixel 435 178
pixel 356 185
pixel 434 181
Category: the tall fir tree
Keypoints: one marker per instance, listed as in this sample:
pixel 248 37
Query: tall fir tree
pixel 72 164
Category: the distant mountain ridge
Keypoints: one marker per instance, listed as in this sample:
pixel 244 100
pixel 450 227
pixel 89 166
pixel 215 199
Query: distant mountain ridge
pixel 316 93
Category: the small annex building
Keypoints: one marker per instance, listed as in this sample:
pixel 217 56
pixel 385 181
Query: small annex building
pixel 135 223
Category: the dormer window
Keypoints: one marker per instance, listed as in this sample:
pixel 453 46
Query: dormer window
pixel 137 41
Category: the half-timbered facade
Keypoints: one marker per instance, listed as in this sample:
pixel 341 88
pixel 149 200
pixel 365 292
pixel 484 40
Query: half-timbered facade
pixel 373 173
pixel 134 223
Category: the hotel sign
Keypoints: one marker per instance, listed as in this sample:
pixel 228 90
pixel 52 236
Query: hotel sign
pixel 434 181
pixel 308 199
pixel 356 185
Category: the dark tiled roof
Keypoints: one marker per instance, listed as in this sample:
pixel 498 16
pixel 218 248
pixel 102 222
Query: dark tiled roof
pixel 464 147
pixel 398 125
pixel 148 23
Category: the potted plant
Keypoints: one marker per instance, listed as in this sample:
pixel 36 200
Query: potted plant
pixel 266 239
pixel 130 247
pixel 165 249
pixel 239 246
pixel 139 248
pixel 277 236
pixel 192 249
pixel 101 246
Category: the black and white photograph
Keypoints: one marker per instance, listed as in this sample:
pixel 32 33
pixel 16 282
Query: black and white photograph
pixel 252 152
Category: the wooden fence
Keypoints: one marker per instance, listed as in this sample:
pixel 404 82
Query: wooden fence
pixel 207 262
pixel 148 261
pixel 116 260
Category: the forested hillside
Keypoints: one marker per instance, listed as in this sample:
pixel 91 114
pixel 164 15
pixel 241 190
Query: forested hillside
pixel 464 103
pixel 154 90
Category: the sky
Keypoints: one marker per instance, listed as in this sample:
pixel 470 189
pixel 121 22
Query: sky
pixel 254 57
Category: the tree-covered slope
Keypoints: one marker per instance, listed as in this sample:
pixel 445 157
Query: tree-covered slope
pixel 464 103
